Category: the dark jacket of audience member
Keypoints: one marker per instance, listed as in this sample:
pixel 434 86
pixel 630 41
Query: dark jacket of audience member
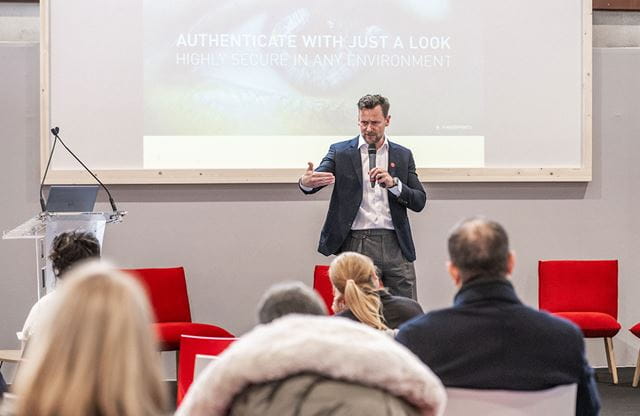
pixel 358 295
pixel 309 365
pixel 289 297
pixel 396 310
pixel 489 339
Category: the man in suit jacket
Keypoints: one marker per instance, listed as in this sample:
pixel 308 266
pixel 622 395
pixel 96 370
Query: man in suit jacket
pixel 368 208
pixel 489 339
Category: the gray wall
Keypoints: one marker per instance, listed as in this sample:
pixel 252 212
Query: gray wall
pixel 616 29
pixel 236 240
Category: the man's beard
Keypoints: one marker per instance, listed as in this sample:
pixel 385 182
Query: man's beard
pixel 373 139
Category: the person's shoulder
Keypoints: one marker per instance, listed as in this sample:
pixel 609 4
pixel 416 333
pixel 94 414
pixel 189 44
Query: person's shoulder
pixel 40 304
pixel 406 302
pixel 404 299
pixel 38 310
pixel 559 326
pixel 48 300
pixel 418 332
pixel 345 143
pixel 427 320
pixel 398 147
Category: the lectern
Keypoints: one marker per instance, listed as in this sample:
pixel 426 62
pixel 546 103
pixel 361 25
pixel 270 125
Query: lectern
pixel 45 226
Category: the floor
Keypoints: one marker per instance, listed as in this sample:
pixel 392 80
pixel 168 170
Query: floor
pixel 620 399
pixel 617 400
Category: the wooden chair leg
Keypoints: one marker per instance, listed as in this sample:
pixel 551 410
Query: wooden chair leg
pixel 611 359
pixel 636 374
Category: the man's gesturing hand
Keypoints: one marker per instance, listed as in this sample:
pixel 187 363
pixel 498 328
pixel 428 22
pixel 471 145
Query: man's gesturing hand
pixel 312 179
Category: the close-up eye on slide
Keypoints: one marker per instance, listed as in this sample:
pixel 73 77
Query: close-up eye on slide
pixel 289 71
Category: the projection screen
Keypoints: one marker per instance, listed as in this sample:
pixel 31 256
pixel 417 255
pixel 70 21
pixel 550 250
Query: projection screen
pixel 231 91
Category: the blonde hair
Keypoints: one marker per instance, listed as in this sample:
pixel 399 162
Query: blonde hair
pixel 96 353
pixel 353 276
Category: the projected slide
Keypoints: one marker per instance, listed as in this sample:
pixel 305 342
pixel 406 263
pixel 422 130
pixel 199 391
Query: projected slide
pixel 270 84
pixel 221 91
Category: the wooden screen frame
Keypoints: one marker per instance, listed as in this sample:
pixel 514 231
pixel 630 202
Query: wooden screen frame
pixel 628 5
pixel 193 176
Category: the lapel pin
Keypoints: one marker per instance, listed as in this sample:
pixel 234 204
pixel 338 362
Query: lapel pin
pixel 393 165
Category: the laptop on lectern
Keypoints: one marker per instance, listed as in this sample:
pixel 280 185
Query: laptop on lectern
pixel 79 198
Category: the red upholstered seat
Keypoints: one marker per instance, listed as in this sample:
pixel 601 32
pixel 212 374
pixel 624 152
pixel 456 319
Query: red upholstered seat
pixel 190 346
pixel 635 330
pixel 170 332
pixel 167 290
pixel 322 285
pixel 586 293
pixel 579 286
pixel 593 324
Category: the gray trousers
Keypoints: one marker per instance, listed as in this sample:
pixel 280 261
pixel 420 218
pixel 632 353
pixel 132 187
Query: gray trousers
pixel 396 272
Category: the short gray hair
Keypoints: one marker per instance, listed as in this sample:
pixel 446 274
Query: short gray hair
pixel 289 297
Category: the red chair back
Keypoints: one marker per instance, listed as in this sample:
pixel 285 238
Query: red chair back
pixel 578 286
pixel 190 346
pixel 167 291
pixel 322 285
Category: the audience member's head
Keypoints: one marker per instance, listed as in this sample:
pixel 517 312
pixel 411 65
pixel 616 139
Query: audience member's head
pixel 289 297
pixel 479 249
pixel 96 354
pixel 356 287
pixel 69 248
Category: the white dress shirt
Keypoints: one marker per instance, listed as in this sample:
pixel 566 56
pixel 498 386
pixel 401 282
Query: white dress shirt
pixel 374 209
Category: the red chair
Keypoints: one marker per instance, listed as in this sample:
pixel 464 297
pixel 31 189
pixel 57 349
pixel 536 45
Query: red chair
pixel 586 293
pixel 636 375
pixel 322 285
pixel 167 290
pixel 190 346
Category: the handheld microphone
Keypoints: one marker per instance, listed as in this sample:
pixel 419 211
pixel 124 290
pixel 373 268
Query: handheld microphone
pixel 55 132
pixel 372 159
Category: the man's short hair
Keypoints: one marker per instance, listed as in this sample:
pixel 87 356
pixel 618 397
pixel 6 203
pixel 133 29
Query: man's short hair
pixel 289 297
pixel 479 248
pixel 71 247
pixel 370 101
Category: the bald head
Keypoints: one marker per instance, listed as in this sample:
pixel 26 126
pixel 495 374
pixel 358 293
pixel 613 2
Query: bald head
pixel 479 248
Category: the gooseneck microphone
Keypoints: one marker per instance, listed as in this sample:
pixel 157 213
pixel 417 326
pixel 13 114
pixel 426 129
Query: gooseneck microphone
pixel 57 138
pixel 372 160
pixel 46 170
